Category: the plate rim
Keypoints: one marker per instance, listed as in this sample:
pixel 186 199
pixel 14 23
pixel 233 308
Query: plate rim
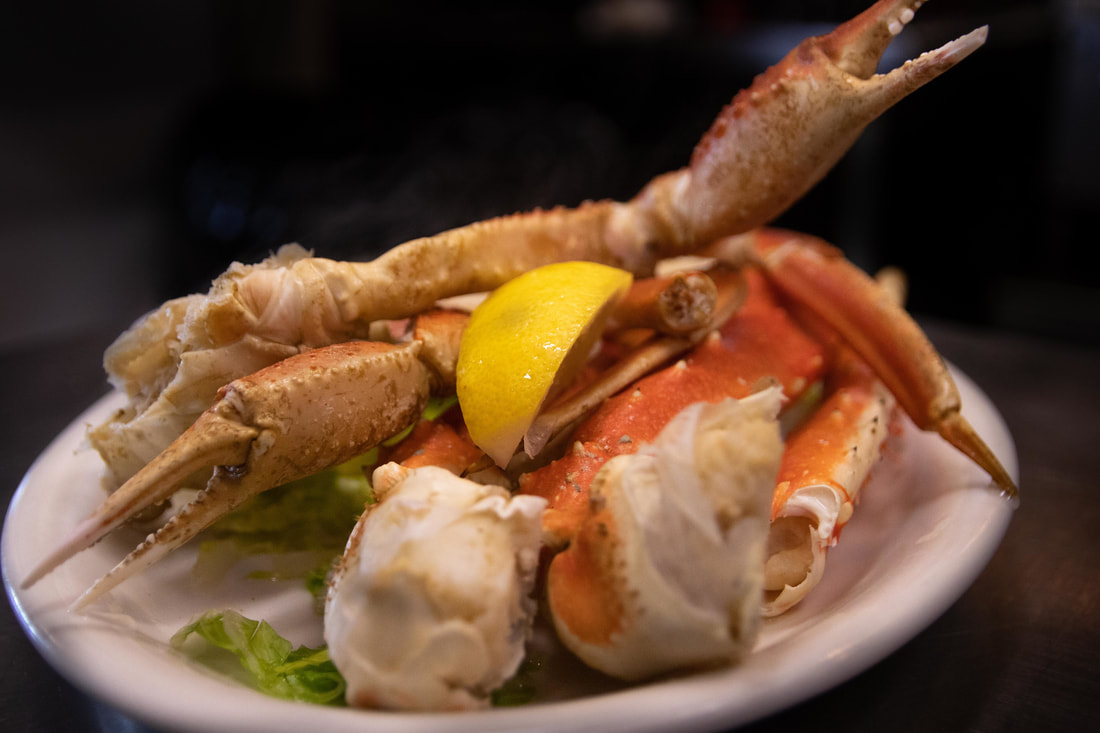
pixel 648 703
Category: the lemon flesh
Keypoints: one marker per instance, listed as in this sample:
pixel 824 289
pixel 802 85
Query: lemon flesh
pixel 529 338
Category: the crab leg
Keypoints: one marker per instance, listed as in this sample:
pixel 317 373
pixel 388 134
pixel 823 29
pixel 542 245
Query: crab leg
pixel 826 461
pixel 675 304
pixel 286 421
pixel 729 294
pixel 772 143
pixel 760 345
pixel 817 277
pixel 763 152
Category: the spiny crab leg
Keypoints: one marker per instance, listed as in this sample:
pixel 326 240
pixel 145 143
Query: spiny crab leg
pixel 286 421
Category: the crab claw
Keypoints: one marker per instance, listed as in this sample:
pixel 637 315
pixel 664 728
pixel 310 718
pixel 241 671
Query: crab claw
pixel 284 422
pixel 782 134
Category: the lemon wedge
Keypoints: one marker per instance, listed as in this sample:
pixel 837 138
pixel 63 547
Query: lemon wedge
pixel 529 338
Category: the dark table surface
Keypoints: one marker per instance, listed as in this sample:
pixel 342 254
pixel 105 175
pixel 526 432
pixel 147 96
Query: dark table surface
pixel 1018 651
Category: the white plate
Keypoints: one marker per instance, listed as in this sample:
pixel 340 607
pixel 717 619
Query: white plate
pixel 928 523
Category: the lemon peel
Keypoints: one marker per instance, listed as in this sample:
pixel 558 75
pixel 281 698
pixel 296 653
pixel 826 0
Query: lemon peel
pixel 524 342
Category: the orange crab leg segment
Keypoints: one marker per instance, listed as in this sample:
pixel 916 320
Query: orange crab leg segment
pixel 761 343
pixel 826 441
pixel 583 599
pixel 675 304
pixel 826 461
pixel 436 443
pixel 817 277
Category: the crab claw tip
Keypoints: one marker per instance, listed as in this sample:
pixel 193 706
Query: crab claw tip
pixel 881 91
pixel 857 46
pixel 83 535
pixel 211 441
pixel 964 45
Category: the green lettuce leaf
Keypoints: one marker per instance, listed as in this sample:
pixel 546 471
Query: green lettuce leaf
pixel 265 660
pixel 313 513
pixel 310 518
pixel 520 688
pixel 797 412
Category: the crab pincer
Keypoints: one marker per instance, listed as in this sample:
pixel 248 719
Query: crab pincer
pixel 284 422
pixel 781 135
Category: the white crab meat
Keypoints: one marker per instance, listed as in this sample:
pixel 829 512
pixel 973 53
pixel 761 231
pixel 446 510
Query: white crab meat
pixel 676 542
pixel 431 606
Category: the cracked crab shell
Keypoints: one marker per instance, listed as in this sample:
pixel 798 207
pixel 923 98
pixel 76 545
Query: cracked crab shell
pixel 431 606
pixel 666 574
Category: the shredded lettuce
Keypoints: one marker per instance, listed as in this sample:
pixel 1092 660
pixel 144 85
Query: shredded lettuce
pixel 797 412
pixel 313 515
pixel 519 689
pixel 265 660
pixel 437 406
pixel 316 512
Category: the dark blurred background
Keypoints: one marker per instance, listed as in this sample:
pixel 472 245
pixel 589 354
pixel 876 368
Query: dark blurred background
pixel 144 145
